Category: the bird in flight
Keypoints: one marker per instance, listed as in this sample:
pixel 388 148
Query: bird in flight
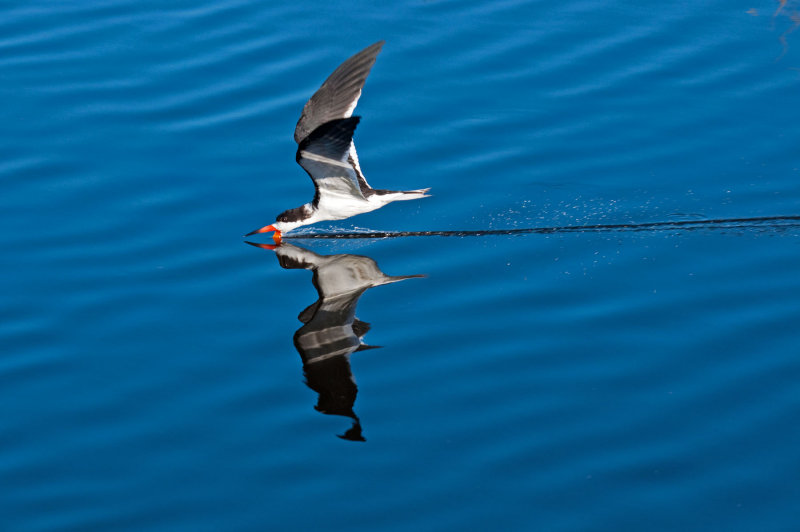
pixel 324 134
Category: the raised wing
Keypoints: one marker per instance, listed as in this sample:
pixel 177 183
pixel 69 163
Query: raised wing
pixel 324 155
pixel 338 95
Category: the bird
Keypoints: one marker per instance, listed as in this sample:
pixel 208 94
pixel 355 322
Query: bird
pixel 326 151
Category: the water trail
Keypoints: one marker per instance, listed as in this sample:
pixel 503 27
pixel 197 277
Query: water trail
pixel 760 222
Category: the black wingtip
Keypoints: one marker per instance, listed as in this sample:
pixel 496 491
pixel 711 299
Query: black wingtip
pixel 366 55
pixel 376 45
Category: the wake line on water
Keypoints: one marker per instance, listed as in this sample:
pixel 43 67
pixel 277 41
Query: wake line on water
pixel 759 222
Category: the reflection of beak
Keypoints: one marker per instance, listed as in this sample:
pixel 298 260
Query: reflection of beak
pixel 265 229
pixel 262 246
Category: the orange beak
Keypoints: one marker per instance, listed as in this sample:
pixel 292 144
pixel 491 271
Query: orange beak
pixel 265 229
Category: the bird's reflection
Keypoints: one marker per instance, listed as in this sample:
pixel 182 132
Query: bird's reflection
pixel 331 332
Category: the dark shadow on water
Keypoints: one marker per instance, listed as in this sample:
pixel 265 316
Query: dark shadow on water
pixel 762 223
pixel 331 332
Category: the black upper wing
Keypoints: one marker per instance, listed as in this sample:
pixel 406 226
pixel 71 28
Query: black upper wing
pixel 338 95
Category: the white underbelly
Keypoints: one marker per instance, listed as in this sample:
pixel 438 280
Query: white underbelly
pixel 341 207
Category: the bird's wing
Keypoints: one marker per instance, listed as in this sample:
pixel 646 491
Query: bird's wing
pixel 338 95
pixel 323 154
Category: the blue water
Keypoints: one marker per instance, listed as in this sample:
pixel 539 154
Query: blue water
pixel 612 379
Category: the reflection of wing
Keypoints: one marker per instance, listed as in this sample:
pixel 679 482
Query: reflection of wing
pixel 339 94
pixel 329 331
pixel 324 342
pixel 324 155
pixel 332 379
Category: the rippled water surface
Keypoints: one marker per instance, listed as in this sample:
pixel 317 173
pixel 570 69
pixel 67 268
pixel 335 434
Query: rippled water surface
pixel 605 337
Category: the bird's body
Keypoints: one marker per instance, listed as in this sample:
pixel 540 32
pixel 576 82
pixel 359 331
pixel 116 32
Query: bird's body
pixel 326 151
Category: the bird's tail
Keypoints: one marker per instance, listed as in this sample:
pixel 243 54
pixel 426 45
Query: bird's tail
pixel 403 195
pixel 397 278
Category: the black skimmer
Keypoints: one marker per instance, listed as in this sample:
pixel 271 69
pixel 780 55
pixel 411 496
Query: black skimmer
pixel 324 134
pixel 331 332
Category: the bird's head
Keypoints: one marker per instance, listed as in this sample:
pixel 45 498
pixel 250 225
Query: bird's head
pixel 286 221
